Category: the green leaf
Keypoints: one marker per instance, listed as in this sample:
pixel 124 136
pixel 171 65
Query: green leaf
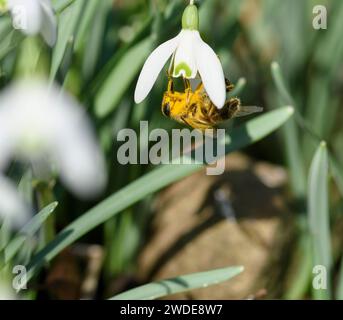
pixel 5 232
pixel 252 131
pixel 340 283
pixel 61 5
pixel 300 280
pixel 87 25
pixel 28 231
pixel 31 58
pixel 318 215
pixel 330 59
pixel 337 173
pixel 9 42
pixel 121 77
pixel 25 187
pixel 184 283
pixel 291 137
pixel 91 35
pixel 241 83
pixel 67 29
pixel 280 84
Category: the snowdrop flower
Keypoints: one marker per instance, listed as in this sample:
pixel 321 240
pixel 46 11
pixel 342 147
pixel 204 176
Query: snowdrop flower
pixel 12 206
pixel 190 56
pixel 39 124
pixel 33 17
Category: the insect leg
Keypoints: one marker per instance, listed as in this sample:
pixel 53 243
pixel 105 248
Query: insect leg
pixel 229 85
pixel 170 84
pixel 187 84
pixel 230 109
pixel 211 110
pixel 185 121
pixel 195 124
pixel 200 87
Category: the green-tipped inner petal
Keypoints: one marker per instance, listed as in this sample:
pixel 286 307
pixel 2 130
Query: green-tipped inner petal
pixel 190 18
pixel 183 66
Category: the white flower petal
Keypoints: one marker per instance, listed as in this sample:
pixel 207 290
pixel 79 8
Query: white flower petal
pixel 152 67
pixel 28 119
pixel 79 160
pixel 49 23
pixel 211 72
pixel 82 168
pixel 184 61
pixel 12 206
pixel 38 123
pixel 26 15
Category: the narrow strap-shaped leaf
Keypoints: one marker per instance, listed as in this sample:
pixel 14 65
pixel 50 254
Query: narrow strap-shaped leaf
pixel 241 83
pixel 60 5
pixel 337 173
pixel 179 284
pixel 28 231
pixel 9 42
pixel 319 220
pixel 67 28
pixel 120 78
pixel 4 233
pixel 291 137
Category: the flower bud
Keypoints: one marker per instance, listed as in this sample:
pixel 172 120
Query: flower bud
pixel 190 18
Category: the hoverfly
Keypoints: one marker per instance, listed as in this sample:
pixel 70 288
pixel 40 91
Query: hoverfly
pixel 196 110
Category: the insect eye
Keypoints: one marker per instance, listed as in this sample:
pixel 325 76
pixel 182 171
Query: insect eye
pixel 166 109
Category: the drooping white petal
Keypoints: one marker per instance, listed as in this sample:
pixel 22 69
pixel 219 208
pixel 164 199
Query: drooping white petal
pixel 28 120
pixel 211 72
pixel 40 123
pixel 12 206
pixel 80 162
pixel 152 67
pixel 82 168
pixel 184 61
pixel 26 15
pixel 49 23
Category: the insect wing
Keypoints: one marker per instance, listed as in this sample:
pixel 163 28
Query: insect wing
pixel 246 110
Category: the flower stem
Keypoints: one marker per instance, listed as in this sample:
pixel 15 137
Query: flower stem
pixel 45 196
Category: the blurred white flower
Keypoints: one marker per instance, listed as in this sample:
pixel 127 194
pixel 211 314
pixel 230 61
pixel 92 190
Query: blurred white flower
pixel 190 56
pixel 33 17
pixel 41 125
pixel 12 206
